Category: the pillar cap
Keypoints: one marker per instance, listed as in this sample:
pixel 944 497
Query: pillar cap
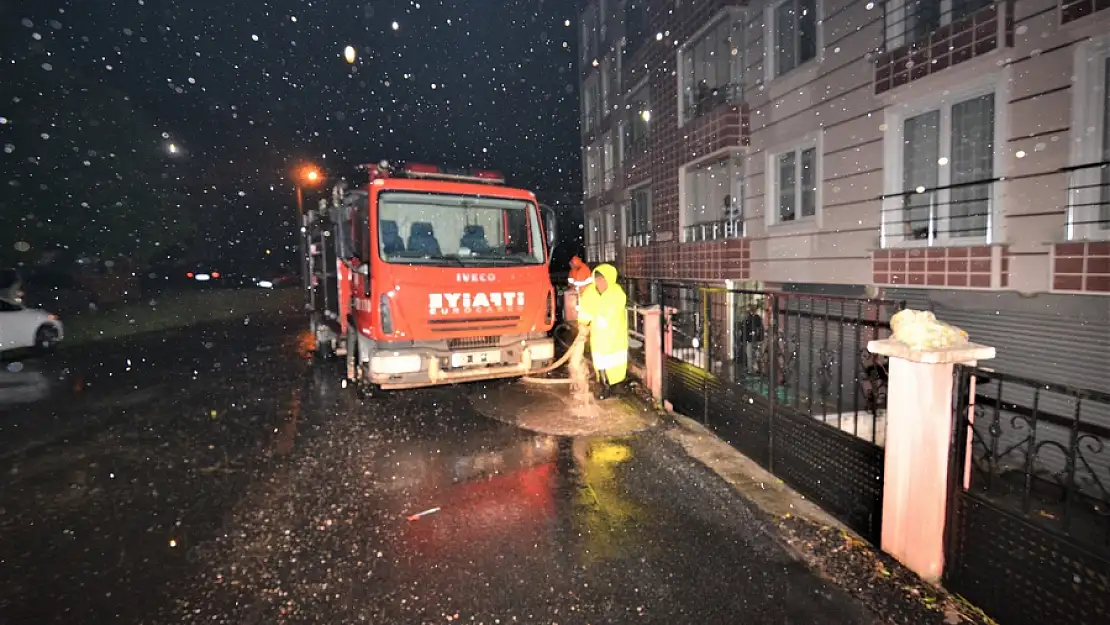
pixel 962 354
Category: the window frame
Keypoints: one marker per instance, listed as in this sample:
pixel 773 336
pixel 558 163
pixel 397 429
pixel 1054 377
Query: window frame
pixel 611 235
pixel 772 209
pixel 604 81
pixel 638 234
pixel 1088 111
pixel 736 66
pixel 634 119
pixel 591 106
pixel 893 170
pixel 608 163
pixel 770 38
pixel 593 170
pixel 634 39
pixel 589 34
pixel 593 234
pixel 736 166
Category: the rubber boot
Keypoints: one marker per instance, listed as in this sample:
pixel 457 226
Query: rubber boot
pixel 606 390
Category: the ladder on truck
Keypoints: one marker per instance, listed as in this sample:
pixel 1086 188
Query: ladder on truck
pixel 321 281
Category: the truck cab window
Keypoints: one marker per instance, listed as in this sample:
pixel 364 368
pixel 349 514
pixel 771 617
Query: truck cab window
pixel 457 230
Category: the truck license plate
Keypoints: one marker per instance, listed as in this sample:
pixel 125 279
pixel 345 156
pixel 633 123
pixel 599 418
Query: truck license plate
pixel 475 358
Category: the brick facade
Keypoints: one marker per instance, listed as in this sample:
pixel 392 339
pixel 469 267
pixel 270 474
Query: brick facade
pixel 1081 267
pixel 958 267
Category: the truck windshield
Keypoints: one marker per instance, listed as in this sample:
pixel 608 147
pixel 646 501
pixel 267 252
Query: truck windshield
pixel 459 230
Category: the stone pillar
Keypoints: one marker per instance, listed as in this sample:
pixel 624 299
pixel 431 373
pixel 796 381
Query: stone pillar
pixel 653 351
pixel 918 438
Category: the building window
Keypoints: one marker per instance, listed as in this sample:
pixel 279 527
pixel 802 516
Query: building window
pixel 637 219
pixel 593 171
pixel 590 115
pixel 588 38
pixel 593 239
pixel 606 86
pixel 639 122
pixel 609 164
pixel 1089 178
pixel 635 26
pixel 611 235
pixel 603 20
pixel 712 68
pixel 912 21
pixel 616 77
pixel 941 190
pixel 794 179
pixel 792 35
pixel 713 200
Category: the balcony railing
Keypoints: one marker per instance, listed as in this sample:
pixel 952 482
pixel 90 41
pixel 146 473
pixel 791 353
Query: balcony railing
pixel 697 102
pixel 639 239
pixel 1071 10
pixel 1089 201
pixel 732 228
pixel 938 216
pixel 924 37
pixel 608 252
pixel 913 21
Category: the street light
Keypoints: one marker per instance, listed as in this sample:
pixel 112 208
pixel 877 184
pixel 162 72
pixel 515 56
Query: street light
pixel 307 176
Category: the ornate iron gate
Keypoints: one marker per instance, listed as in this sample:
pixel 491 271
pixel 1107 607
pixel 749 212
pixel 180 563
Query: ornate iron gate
pixel 1028 531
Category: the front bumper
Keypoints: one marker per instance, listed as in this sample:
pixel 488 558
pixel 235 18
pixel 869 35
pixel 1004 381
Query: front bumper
pixel 419 367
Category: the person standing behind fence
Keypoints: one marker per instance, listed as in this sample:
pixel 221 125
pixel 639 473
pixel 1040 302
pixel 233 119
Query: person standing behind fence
pixel 603 311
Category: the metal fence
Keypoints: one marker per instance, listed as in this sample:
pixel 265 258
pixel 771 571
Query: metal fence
pixel 787 380
pixel 1028 536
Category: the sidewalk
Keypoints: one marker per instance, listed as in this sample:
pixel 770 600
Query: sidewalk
pixel 825 544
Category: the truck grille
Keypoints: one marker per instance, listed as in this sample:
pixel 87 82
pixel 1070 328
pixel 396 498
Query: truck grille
pixel 475 324
pixel 473 342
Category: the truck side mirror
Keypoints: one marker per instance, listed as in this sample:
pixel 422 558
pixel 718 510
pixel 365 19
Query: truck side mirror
pixel 550 225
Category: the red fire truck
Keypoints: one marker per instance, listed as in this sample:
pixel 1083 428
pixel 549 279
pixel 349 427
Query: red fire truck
pixel 420 275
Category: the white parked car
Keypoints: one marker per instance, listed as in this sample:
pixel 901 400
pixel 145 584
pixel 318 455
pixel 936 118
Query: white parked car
pixel 22 327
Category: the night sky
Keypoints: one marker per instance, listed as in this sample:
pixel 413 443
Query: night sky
pixel 244 91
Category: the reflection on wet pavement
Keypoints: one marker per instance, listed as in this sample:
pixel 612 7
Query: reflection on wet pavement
pixel 252 489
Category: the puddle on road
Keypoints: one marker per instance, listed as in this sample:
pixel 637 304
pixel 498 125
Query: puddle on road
pixel 560 491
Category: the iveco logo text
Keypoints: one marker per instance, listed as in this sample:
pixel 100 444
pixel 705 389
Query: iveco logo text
pixel 454 303
pixel 475 277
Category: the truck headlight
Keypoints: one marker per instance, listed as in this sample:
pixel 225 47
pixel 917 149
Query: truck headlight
pixel 395 363
pixel 542 351
pixel 386 315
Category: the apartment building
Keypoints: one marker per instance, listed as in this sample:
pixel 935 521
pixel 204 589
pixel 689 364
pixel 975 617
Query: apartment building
pixel 950 153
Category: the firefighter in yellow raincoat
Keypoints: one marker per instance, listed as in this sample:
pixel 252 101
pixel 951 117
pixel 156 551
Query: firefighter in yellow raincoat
pixel 603 310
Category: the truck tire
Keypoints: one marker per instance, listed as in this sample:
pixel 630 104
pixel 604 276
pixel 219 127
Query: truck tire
pixel 356 373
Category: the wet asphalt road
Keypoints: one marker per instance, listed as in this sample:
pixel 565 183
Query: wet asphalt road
pixel 217 476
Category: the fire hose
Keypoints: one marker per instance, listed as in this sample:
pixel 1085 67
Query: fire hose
pixel 570 350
